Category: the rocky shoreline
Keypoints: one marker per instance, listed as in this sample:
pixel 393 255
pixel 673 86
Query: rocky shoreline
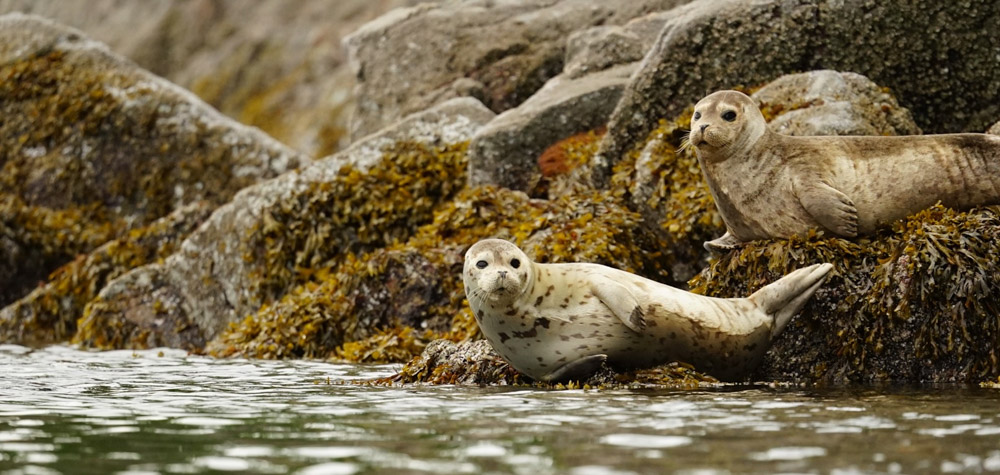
pixel 133 214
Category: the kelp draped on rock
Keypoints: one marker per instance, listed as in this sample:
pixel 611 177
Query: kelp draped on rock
pixel 49 314
pixel 418 283
pixel 920 302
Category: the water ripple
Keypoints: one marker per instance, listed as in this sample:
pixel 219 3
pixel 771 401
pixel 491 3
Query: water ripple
pixel 163 411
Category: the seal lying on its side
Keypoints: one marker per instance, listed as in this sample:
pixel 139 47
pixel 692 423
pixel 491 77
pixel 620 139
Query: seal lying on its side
pixel 767 185
pixel 555 322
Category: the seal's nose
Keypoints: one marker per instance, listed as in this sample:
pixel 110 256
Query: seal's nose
pixel 703 127
pixel 503 273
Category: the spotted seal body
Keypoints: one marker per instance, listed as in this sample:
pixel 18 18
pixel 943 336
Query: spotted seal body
pixel 767 185
pixel 555 322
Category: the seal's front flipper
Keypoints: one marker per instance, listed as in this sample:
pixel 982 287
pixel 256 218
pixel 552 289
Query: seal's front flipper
pixel 578 370
pixel 832 209
pixel 726 243
pixel 620 301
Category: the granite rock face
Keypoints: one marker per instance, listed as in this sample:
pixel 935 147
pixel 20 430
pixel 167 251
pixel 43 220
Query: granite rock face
pixel 273 64
pixel 498 52
pixel 93 145
pixel 248 252
pixel 948 79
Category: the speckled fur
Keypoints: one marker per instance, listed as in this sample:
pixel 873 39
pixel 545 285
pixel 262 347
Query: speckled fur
pixel 767 185
pixel 542 317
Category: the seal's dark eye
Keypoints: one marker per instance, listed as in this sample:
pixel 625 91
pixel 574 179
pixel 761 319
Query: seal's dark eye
pixel 729 116
pixel 515 263
pixel 697 115
pixel 482 264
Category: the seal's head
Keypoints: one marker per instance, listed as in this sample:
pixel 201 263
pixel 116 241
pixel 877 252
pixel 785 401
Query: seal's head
pixel 496 272
pixel 725 124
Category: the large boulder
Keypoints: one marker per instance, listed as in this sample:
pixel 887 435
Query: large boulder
pixel 915 303
pixel 499 52
pixel 91 145
pixel 832 103
pixel 274 64
pixel 601 47
pixel 252 250
pixel 507 150
pixel 949 78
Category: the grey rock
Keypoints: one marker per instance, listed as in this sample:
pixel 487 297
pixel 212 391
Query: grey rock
pixel 995 129
pixel 506 151
pixel 211 280
pixel 833 103
pixel 403 59
pixel 599 48
pixel 605 46
pixel 936 57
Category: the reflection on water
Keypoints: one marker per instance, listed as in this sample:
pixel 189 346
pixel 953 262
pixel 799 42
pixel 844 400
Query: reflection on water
pixel 63 410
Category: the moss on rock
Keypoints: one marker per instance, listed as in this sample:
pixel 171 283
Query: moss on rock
pixel 357 211
pixel 36 239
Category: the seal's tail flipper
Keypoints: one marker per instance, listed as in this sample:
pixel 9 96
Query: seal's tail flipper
pixel 784 298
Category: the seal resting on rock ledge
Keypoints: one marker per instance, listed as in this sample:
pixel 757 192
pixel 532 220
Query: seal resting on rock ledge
pixel 767 185
pixel 558 322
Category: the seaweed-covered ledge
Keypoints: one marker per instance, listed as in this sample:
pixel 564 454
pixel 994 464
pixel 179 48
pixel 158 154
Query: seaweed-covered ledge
pixel 280 234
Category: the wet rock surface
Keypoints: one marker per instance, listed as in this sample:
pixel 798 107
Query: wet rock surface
pixel 93 146
pixel 950 82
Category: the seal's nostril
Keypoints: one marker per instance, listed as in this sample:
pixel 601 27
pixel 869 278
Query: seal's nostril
pixel 703 127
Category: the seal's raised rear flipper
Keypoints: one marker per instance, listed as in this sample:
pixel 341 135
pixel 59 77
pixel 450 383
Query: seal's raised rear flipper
pixel 578 370
pixel 833 210
pixel 783 298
